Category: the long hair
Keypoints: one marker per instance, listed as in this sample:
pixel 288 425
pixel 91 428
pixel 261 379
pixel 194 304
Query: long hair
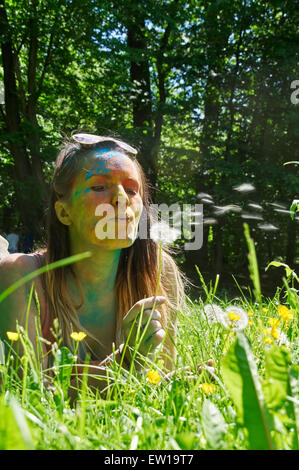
pixel 137 273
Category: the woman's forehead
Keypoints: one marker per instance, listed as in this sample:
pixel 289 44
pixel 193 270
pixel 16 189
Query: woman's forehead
pixel 107 162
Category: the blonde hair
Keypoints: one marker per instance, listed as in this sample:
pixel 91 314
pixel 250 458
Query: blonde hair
pixel 137 273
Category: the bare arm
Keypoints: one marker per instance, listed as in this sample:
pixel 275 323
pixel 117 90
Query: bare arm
pixel 13 309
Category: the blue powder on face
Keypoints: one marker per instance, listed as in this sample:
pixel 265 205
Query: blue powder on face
pixel 103 167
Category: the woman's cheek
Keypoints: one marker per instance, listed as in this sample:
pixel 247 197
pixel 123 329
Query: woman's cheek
pixel 137 207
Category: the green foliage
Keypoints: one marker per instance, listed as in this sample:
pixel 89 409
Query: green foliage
pixel 253 264
pixel 14 430
pixel 242 380
pixel 294 208
pixel 63 364
pixel 275 385
pixel 214 425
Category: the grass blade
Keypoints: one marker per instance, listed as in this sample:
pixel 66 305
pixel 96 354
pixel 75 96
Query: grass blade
pixel 241 378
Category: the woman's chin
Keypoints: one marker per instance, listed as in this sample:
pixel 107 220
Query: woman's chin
pixel 116 243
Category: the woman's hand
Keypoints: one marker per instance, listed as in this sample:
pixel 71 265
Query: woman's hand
pixel 151 330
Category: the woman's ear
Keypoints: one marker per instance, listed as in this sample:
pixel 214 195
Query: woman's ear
pixel 62 213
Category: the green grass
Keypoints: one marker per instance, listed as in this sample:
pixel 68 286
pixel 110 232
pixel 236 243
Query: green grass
pixel 173 414
pixel 251 401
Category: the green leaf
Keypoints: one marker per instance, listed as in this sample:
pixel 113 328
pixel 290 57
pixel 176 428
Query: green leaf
pixel 294 208
pixel 294 387
pixel 275 387
pixel 186 440
pixel 253 264
pixel 240 375
pixel 277 264
pixel 14 431
pixel 214 425
pixel 292 297
pixel 63 363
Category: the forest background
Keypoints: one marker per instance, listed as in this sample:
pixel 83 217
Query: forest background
pixel 206 90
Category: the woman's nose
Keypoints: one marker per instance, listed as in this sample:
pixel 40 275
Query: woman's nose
pixel 120 196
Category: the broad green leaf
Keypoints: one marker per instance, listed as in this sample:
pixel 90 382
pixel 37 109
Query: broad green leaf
pixel 14 431
pixel 21 422
pixel 275 386
pixel 294 386
pixel 292 297
pixel 240 375
pixel 214 425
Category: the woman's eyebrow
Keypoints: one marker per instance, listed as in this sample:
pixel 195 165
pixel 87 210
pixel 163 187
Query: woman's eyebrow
pixel 91 174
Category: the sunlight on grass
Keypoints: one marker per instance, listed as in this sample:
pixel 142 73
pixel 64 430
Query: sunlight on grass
pixel 199 407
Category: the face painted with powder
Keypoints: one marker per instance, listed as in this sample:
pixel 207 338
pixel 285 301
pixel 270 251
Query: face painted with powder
pixel 106 190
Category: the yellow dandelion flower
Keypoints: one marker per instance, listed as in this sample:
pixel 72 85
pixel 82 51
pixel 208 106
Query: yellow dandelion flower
pixel 275 333
pixel 268 340
pixel 265 309
pixel 153 377
pixel 274 322
pixel 250 313
pixel 285 313
pixel 78 336
pixel 271 332
pixel 250 322
pixel 233 316
pixel 12 336
pixel 207 388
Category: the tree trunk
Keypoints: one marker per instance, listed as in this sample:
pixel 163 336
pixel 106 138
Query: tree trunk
pixel 26 184
pixel 142 105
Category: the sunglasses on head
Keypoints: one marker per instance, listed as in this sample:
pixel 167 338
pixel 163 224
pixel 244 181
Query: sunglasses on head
pixel 91 139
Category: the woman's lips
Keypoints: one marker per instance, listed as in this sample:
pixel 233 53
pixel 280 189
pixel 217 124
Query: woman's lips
pixel 115 219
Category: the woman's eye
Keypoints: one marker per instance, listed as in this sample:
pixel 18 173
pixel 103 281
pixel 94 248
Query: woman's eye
pixel 131 191
pixel 97 188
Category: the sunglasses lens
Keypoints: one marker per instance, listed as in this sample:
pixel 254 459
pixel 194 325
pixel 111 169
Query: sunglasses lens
pixel 126 147
pixel 91 139
pixel 86 139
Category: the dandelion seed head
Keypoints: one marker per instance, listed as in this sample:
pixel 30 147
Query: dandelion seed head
pixel 161 232
pixel 244 188
pixel 234 318
pixel 212 313
pixel 268 227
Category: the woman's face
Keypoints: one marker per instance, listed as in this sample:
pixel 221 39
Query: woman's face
pixel 105 204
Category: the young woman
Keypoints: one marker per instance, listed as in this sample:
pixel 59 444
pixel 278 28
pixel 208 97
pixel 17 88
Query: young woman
pixel 99 197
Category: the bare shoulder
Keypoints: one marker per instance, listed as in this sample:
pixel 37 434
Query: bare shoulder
pixel 14 266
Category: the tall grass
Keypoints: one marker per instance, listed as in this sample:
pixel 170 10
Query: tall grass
pixel 248 401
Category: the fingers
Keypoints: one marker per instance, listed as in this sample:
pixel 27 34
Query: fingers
pixel 145 304
pixel 152 330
